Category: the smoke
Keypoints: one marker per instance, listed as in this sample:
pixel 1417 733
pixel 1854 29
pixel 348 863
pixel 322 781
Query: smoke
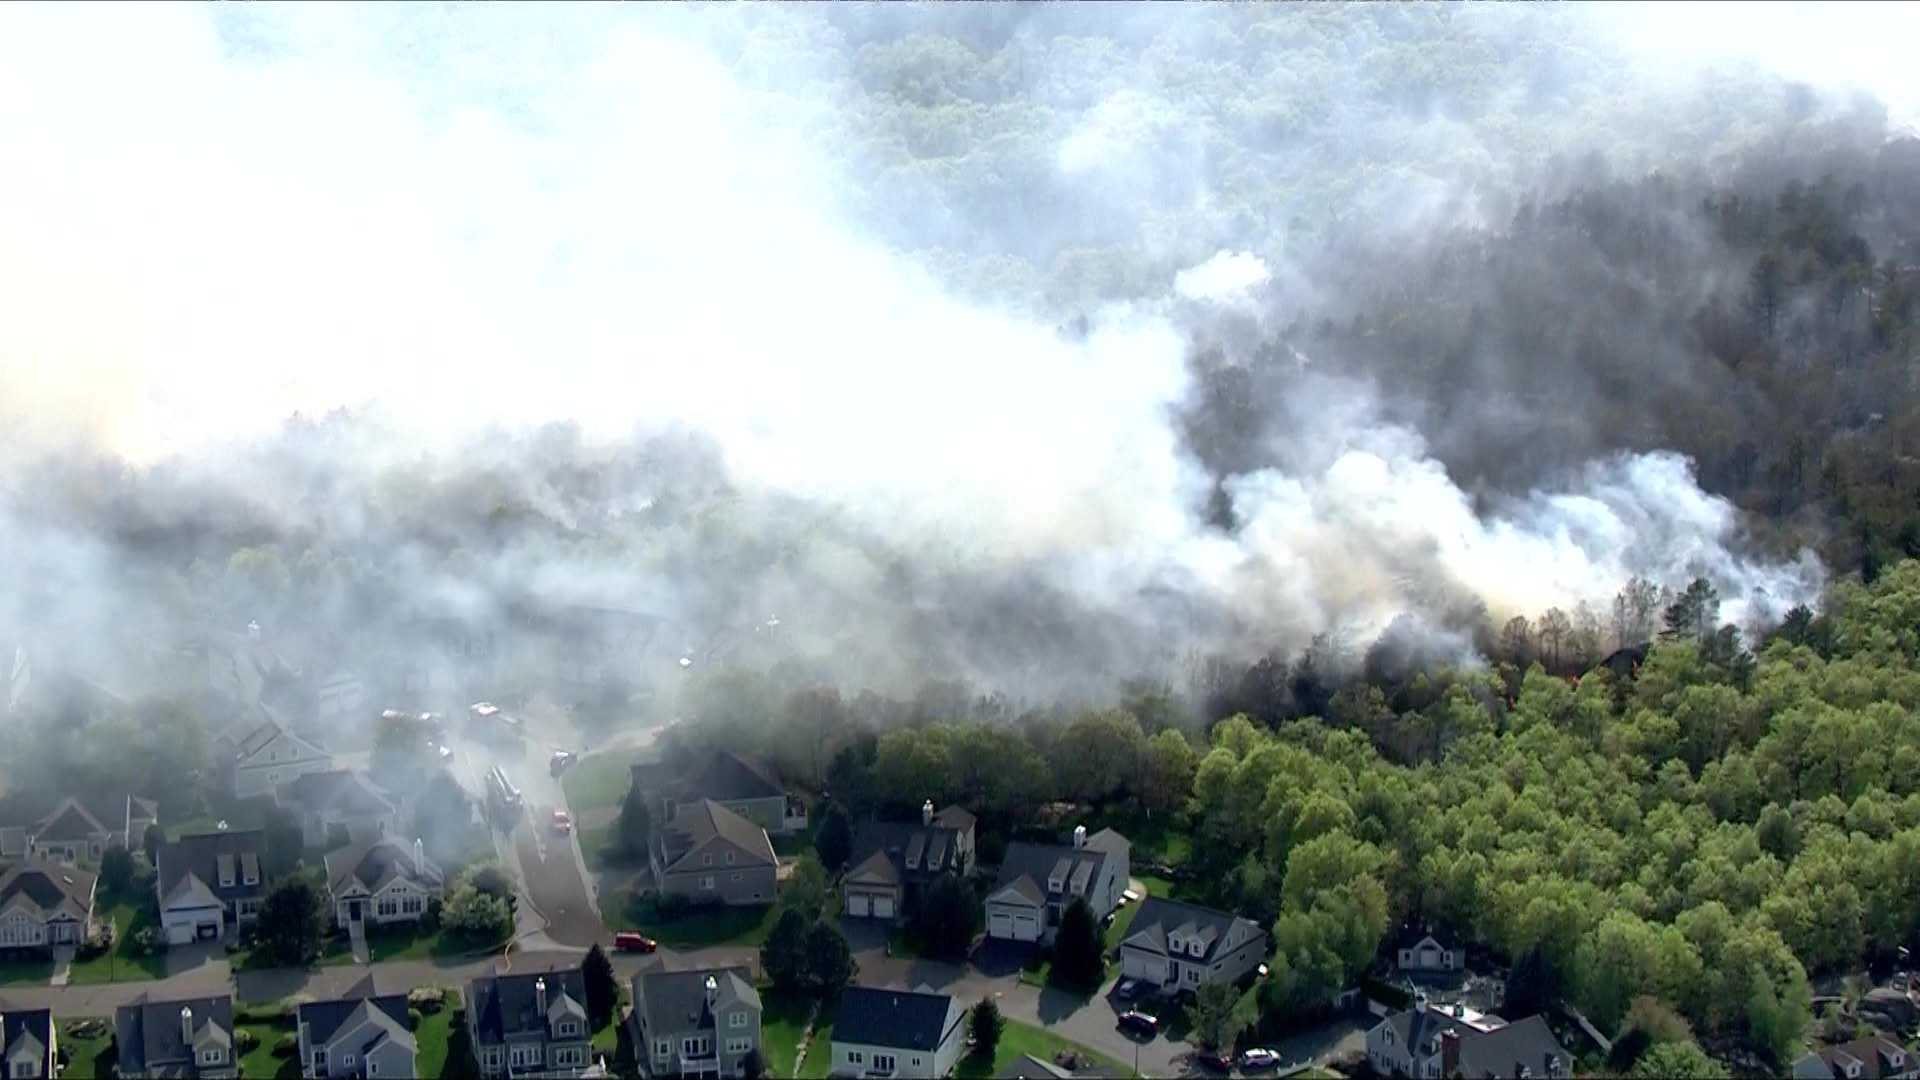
pixel 839 251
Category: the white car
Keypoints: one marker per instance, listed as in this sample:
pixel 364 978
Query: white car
pixel 1259 1059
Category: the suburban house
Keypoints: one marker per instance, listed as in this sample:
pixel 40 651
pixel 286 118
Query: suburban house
pixel 710 854
pixel 270 755
pixel 360 1035
pixel 338 806
pixel 76 832
pixel 1452 1040
pixel 381 880
pixel 696 1023
pixel 893 861
pixel 1428 957
pixel 45 904
pixel 530 1023
pixel 728 779
pixel 209 883
pixel 29 1045
pixel 1873 1058
pixel 340 701
pixel 191 1037
pixel 901 1033
pixel 1038 882
pixel 1180 947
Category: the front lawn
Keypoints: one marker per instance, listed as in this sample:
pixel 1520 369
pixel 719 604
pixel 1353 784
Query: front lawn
pixel 434 1039
pixel 23 970
pixel 819 1048
pixel 696 928
pixel 261 1061
pixel 128 917
pixel 87 1059
pixel 1116 931
pixel 598 780
pixel 783 1017
pixel 1017 1040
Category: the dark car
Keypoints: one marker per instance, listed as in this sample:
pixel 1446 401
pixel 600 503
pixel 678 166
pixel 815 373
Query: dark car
pixel 1145 1025
pixel 631 942
pixel 1216 1062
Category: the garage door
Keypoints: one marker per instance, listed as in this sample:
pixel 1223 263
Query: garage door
pixel 1000 925
pixel 857 905
pixel 179 933
pixel 1142 966
pixel 883 907
pixel 1026 928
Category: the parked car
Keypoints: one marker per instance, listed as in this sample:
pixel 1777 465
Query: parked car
pixel 1129 897
pixel 626 941
pixel 1217 1062
pixel 559 762
pixel 1145 1025
pixel 1128 989
pixel 1260 1058
pixel 562 822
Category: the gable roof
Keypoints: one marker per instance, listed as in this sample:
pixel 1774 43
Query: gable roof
pixel 266 732
pixel 1028 868
pixel 376 862
pixel 1876 1054
pixel 1159 917
pixel 193 863
pixel 954 817
pixel 669 1002
pixel 695 824
pixel 723 776
pixel 27 1031
pixel 385 1016
pixel 875 869
pixel 505 1005
pixel 49 888
pixel 1505 1050
pixel 901 1019
pixel 72 821
pixel 149 1032
pixel 341 792
pixel 901 842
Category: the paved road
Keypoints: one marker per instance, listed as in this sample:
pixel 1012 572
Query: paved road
pixel 554 882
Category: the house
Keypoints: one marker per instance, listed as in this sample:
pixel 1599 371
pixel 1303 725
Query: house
pixel 1874 1058
pixel 900 1033
pixel 45 904
pixel 362 1034
pixel 13 842
pixel 1180 947
pixel 728 779
pixel 1431 1039
pixel 1038 882
pixel 269 755
pixel 1028 1067
pixel 75 832
pixel 381 880
pixel 702 1022
pixel 192 1037
pixel 1888 1008
pixel 710 854
pixel 1429 957
pixel 340 701
pixel 209 883
pixel 337 807
pixel 29 1045
pixel 530 1022
pixel 893 861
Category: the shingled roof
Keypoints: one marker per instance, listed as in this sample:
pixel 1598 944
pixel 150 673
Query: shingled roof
pixel 375 863
pixel 149 1033
pixel 51 889
pixel 385 1018
pixel 26 1033
pixel 336 791
pixel 697 823
pixel 899 1019
pixel 1221 931
pixel 197 862
pixel 507 1005
pixel 669 1002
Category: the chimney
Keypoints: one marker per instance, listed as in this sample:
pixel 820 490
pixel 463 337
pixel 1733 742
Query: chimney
pixel 1419 1002
pixel 713 992
pixel 186 1026
pixel 540 996
pixel 253 630
pixel 926 812
pixel 1079 836
pixel 419 854
pixel 1449 1053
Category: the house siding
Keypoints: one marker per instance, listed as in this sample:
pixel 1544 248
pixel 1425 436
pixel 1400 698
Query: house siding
pixel 936 1063
pixel 734 885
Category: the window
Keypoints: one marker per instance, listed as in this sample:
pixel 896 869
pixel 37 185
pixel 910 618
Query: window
pixel 209 1057
pixel 28 1069
pixel 320 1063
pixel 729 858
pixel 493 1056
pixel 373 1067
pixel 346 1061
pixel 739 1020
pixel 707 882
pixel 663 1049
pixel 883 1063
pixel 566 1028
pixel 916 1061
pixel 855 1057
pixel 706 860
pixel 736 875
pixel 739 1046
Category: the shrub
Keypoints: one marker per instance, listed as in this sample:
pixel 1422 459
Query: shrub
pixel 413 1019
pixel 286 1045
pixel 90 1028
pixel 245 1040
pixel 427 999
pixel 147 942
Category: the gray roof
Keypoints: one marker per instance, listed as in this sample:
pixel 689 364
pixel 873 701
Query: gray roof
pixel 376 862
pixel 725 776
pixel 202 856
pixel 1876 1054
pixel 1497 1053
pixel 899 841
pixel 148 1032
pixel 387 1014
pixel 697 823
pixel 1158 917
pixel 52 888
pixel 336 791
pixel 1030 867
pixel 1033 1068
pixel 671 1002
pixel 901 1019
pixel 22 1029
pixel 506 1005
pixel 72 821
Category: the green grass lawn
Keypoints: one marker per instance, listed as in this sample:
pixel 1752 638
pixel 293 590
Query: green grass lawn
pixel 1017 1039
pixel 699 927
pixel 783 1017
pixel 1117 929
pixel 819 1048
pixel 434 1037
pixel 261 1062
pixel 128 916
pixel 87 1059
pixel 598 780
pixel 25 971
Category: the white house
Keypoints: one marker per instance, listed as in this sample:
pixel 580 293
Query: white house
pixel 1438 1040
pixel 209 883
pixel 1181 947
pixel 897 1033
pixel 271 755
pixel 1428 956
pixel 45 904
pixel 380 881
pixel 362 1034
pixel 1038 882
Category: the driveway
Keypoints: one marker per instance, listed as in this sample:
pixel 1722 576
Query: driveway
pixel 551 873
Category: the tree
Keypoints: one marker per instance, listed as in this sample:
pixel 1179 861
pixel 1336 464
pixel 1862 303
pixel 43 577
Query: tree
pixel 116 870
pixel 1078 958
pixel 834 841
pixel 289 927
pixel 806 889
pixel 283 842
pixel 1166 771
pixel 947 917
pixel 1682 1060
pixel 1555 629
pixel 1218 1014
pixel 603 989
pixel 829 961
pixel 634 830
pixel 493 879
pixel 1516 641
pixel 784 955
pixel 1694 614
pixel 1766 290
pixel 753 1066
pixel 986 1025
pixel 475 915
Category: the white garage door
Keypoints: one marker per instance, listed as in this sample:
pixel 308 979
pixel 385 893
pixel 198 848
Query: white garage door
pixel 883 907
pixel 1026 928
pixel 857 905
pixel 1000 925
pixel 1142 966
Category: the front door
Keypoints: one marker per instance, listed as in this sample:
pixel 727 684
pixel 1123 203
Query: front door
pixel 356 910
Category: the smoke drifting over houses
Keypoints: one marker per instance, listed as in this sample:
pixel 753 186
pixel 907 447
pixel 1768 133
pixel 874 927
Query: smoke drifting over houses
pixel 869 341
